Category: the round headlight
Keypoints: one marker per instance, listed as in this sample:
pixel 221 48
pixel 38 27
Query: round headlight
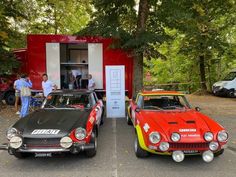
pixel 175 137
pixel 11 132
pixel 15 142
pixel 66 142
pixel 164 146
pixel 213 146
pixel 208 136
pixel 80 133
pixel 154 137
pixel 222 136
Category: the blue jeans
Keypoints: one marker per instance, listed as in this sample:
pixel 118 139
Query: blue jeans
pixel 25 103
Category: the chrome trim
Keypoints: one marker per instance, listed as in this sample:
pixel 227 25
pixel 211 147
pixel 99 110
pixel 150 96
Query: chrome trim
pixel 43 150
pixel 4 146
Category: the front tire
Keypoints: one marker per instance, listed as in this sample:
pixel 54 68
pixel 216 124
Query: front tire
pixel 10 98
pixel 92 152
pixel 139 152
pixel 128 120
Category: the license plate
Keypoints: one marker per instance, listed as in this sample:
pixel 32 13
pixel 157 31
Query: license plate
pixel 191 152
pixel 43 154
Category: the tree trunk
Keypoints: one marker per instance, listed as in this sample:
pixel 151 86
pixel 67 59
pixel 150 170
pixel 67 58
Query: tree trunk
pixel 138 60
pixel 202 72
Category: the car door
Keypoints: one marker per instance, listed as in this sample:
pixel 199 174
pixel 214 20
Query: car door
pixel 137 104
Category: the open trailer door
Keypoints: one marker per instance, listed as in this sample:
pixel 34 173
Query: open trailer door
pixel 53 62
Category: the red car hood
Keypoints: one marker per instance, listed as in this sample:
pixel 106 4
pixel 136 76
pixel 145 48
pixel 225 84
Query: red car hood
pixel 191 125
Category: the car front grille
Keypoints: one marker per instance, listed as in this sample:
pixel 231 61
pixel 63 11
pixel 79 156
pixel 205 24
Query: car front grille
pixel 42 142
pixel 189 145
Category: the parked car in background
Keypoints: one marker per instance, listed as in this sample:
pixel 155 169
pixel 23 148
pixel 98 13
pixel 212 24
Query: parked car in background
pixel 68 121
pixel 227 86
pixel 166 124
pixel 7 91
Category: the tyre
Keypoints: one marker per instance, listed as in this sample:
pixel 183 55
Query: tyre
pixel 102 116
pixel 129 122
pixel 231 94
pixel 139 152
pixel 92 152
pixel 10 98
pixel 219 153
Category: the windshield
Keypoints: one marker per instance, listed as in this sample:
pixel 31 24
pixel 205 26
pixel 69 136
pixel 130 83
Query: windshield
pixel 230 76
pixel 164 102
pixel 75 101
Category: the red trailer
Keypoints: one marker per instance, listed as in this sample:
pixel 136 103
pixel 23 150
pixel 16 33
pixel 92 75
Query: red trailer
pixel 56 55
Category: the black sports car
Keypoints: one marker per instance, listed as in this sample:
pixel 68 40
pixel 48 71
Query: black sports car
pixel 67 122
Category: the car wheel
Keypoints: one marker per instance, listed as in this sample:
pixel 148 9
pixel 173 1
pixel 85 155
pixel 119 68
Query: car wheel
pixel 129 122
pixel 10 98
pixel 139 152
pixel 231 94
pixel 92 152
pixel 219 153
pixel 102 116
pixel 20 155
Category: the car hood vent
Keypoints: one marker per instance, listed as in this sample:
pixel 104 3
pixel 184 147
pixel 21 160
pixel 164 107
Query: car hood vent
pixel 172 122
pixel 190 122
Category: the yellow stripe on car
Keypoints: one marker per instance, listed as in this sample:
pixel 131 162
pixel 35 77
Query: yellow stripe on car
pixel 142 143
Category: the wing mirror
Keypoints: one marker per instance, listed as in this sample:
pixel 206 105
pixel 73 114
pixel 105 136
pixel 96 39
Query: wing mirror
pixel 197 109
pixel 137 109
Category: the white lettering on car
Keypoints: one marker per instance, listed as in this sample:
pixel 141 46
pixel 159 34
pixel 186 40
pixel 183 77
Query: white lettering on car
pixel 45 132
pixel 188 130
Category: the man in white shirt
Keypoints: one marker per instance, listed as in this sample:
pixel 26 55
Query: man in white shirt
pixel 47 85
pixel 91 83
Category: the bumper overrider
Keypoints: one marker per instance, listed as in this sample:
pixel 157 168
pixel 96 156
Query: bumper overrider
pixel 46 146
pixel 178 151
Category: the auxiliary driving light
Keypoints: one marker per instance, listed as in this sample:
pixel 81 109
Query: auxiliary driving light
pixel 208 156
pixel 66 142
pixel 178 156
pixel 164 146
pixel 15 142
pixel 213 146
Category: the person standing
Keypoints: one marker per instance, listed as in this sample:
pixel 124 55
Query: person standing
pixel 47 85
pixel 24 85
pixel 77 75
pixel 91 83
pixel 17 95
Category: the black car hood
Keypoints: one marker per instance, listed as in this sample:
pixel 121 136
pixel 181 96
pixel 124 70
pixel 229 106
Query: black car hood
pixel 52 119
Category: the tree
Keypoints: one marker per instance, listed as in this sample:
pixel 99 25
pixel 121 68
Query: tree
pixel 133 29
pixel 202 23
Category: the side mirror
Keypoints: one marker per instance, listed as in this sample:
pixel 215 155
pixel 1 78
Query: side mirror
pixel 137 109
pixel 197 109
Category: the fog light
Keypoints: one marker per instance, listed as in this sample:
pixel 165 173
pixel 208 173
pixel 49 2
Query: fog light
pixel 164 146
pixel 66 142
pixel 207 156
pixel 213 146
pixel 178 156
pixel 15 142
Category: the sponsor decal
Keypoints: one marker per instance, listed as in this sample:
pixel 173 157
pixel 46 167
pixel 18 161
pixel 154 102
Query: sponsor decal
pixel 146 127
pixel 45 132
pixel 91 120
pixel 190 135
pixel 187 130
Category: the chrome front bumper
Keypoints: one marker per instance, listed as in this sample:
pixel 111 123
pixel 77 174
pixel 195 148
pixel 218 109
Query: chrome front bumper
pixel 75 148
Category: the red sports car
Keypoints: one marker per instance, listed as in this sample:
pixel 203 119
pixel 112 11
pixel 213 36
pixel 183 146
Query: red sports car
pixel 166 124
